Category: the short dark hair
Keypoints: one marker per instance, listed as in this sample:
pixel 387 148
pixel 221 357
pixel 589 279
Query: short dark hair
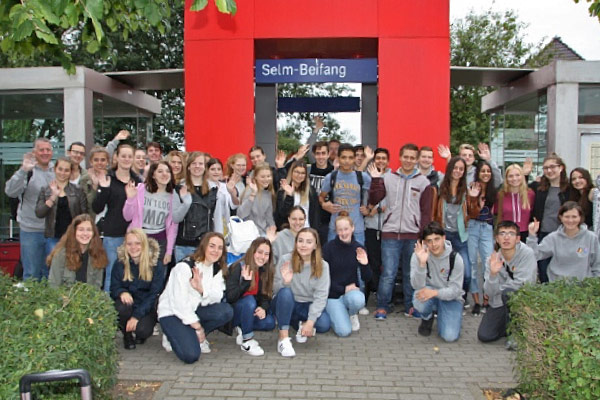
pixel 571 205
pixel 409 146
pixel 433 228
pixel 333 141
pixel 381 150
pixel 156 145
pixel 76 144
pixel 320 144
pixel 359 147
pixel 425 148
pixel 346 147
pixel 508 225
pixel 254 148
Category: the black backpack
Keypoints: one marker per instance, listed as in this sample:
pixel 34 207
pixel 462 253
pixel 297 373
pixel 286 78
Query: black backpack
pixel 452 258
pixel 359 178
pixel 199 218
pixel 14 202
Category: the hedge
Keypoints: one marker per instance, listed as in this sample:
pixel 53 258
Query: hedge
pixel 44 328
pixel 556 328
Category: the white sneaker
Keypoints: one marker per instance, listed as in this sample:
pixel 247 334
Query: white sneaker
pixel 354 322
pixel 299 337
pixel 252 347
pixel 166 344
pixel 156 330
pixel 239 339
pixel 285 348
pixel 204 347
pixel 363 311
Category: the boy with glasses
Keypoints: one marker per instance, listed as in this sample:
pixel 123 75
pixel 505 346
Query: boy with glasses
pixel 507 270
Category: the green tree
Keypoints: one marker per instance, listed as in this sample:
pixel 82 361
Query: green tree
pixel 37 32
pixel 490 39
pixel 297 126
pixel 594 7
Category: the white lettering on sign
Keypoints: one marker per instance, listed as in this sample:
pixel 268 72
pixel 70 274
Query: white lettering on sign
pixel 304 69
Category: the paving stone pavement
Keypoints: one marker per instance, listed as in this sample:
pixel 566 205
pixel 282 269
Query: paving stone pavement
pixel 384 360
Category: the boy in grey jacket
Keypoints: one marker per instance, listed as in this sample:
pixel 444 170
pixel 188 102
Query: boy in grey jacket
pixel 436 275
pixel 506 271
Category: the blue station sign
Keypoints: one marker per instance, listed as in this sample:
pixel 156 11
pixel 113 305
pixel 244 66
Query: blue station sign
pixel 315 70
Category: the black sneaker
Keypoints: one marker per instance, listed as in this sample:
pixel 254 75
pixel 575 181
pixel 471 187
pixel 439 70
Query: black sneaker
pixel 425 326
pixel 476 310
pixel 128 341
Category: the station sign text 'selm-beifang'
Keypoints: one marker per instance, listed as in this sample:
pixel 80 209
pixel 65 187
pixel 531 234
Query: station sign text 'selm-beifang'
pixel 315 70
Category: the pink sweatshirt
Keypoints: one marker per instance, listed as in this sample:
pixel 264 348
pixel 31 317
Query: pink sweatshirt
pixel 511 209
pixel 133 211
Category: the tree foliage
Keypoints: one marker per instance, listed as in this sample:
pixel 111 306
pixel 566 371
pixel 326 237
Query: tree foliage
pixel 594 7
pixel 490 39
pixel 42 32
pixel 297 126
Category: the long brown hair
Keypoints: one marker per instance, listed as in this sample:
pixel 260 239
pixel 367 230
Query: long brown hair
pixel 304 188
pixel 316 258
pixel 266 275
pixel 564 181
pixel 188 176
pixel 581 197
pixel 461 189
pixel 73 253
pixel 176 153
pixel 200 253
pixel 151 185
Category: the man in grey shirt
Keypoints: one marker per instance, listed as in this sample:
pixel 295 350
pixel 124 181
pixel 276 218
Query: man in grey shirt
pixel 26 183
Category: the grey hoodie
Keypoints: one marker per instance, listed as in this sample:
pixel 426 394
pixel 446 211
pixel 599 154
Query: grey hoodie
pixel 17 185
pixel 439 268
pixel 576 257
pixel 283 244
pixel 305 288
pixel 523 267
pixel 259 210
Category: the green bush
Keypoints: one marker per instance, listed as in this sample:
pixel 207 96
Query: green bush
pixel 557 331
pixel 43 328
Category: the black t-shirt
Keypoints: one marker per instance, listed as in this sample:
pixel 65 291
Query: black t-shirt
pixel 317 175
pixel 63 217
pixel 81 273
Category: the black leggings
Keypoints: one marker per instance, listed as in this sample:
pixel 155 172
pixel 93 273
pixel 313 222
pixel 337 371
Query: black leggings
pixel 145 325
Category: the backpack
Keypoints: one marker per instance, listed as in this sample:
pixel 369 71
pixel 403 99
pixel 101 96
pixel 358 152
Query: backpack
pixel 359 178
pixel 452 258
pixel 199 218
pixel 15 201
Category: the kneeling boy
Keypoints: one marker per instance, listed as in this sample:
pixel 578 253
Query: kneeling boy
pixel 505 272
pixel 436 275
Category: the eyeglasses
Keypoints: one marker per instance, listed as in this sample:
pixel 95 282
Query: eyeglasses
pixel 78 153
pixel 507 233
pixel 549 167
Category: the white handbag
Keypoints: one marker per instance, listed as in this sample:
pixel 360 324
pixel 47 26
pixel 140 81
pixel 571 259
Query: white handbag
pixel 241 235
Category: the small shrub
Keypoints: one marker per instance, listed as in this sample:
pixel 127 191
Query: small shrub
pixel 557 330
pixel 43 328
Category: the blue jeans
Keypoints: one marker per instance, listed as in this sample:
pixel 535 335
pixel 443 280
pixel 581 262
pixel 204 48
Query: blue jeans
pixel 449 316
pixel 33 255
pixel 183 337
pixel 182 252
pixel 461 248
pixel 110 245
pixel 341 309
pixel 243 316
pixel 289 312
pixel 50 244
pixel 480 241
pixel 395 253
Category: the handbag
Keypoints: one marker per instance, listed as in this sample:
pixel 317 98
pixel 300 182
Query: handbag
pixel 241 234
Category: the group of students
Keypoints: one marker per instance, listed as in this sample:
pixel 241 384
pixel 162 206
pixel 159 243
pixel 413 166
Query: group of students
pixel 153 233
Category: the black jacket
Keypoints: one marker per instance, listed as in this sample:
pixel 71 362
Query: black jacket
pixel 285 204
pixel 235 287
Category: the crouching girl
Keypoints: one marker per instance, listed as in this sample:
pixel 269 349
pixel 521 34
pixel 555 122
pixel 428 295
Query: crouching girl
pixel 190 307
pixel 249 290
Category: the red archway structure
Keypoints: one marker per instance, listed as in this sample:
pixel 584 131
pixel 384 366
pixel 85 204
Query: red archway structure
pixel 412 47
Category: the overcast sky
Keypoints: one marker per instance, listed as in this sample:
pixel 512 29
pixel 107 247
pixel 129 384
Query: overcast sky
pixel 546 18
